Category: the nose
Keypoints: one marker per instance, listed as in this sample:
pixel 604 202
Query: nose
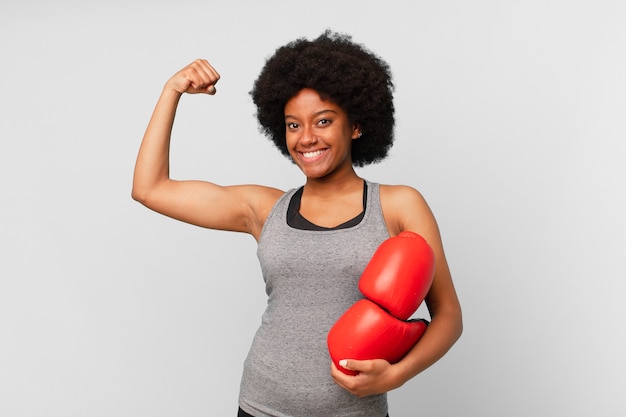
pixel 308 137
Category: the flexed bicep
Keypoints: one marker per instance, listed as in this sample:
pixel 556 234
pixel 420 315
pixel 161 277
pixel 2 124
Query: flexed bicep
pixel 202 203
pixel 238 208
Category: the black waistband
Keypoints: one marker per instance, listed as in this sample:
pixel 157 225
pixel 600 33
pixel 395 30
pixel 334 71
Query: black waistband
pixel 242 413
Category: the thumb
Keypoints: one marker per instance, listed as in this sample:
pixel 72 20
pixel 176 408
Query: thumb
pixel 348 364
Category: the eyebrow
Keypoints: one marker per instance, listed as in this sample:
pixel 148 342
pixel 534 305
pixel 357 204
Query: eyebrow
pixel 319 113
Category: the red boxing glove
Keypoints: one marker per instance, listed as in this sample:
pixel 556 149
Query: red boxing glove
pixel 395 281
pixel 399 275
pixel 366 331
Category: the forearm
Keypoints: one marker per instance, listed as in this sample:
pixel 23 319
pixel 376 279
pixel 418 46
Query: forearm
pixel 377 376
pixel 152 165
pixel 443 332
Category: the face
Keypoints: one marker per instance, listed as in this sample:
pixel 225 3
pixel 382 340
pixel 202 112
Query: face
pixel 319 135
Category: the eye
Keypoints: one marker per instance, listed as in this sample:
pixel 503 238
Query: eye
pixel 292 125
pixel 323 122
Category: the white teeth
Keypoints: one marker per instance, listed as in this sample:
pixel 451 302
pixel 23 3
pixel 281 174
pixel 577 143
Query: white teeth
pixel 311 154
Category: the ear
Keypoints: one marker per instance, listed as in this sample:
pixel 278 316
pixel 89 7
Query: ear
pixel 356 132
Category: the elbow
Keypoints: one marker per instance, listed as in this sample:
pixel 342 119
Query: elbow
pixel 453 319
pixel 459 324
pixel 148 192
pixel 135 196
pixel 142 189
pixel 138 194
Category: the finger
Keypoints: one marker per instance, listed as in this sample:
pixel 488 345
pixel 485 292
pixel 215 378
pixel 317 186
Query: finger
pixel 202 77
pixel 210 69
pixel 357 365
pixel 206 71
pixel 199 80
pixel 348 364
pixel 335 372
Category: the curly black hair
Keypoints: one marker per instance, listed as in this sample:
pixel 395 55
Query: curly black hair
pixel 341 71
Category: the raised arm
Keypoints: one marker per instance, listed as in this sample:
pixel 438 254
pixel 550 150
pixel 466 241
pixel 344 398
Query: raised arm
pixel 237 208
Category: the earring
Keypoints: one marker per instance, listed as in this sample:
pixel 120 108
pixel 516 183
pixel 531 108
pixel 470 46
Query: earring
pixel 360 134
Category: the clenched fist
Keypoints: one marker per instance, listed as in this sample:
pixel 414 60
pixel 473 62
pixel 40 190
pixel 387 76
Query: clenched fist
pixel 196 78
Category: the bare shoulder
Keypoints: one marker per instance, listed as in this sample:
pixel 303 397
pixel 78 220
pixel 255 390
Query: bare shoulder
pixel 237 208
pixel 405 208
pixel 398 193
pixel 261 200
pixel 264 199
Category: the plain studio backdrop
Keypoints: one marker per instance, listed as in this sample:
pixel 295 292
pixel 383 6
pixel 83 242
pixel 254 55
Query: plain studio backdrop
pixel 511 120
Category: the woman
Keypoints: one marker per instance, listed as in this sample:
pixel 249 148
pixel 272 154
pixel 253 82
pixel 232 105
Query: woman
pixel 328 105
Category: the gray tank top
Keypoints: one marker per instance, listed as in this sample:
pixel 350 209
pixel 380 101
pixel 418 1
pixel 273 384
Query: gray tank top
pixel 311 279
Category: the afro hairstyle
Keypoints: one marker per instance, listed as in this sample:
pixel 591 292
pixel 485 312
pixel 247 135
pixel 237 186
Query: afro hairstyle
pixel 341 71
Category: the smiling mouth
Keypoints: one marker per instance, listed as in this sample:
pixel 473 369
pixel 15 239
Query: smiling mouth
pixel 312 154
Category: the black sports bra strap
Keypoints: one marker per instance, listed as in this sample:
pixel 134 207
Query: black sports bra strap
pixel 297 221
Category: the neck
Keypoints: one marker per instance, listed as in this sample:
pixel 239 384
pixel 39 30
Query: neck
pixel 344 183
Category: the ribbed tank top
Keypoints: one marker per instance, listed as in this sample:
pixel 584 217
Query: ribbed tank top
pixel 311 279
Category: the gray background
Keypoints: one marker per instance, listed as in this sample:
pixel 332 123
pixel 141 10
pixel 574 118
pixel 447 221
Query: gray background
pixel 510 120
